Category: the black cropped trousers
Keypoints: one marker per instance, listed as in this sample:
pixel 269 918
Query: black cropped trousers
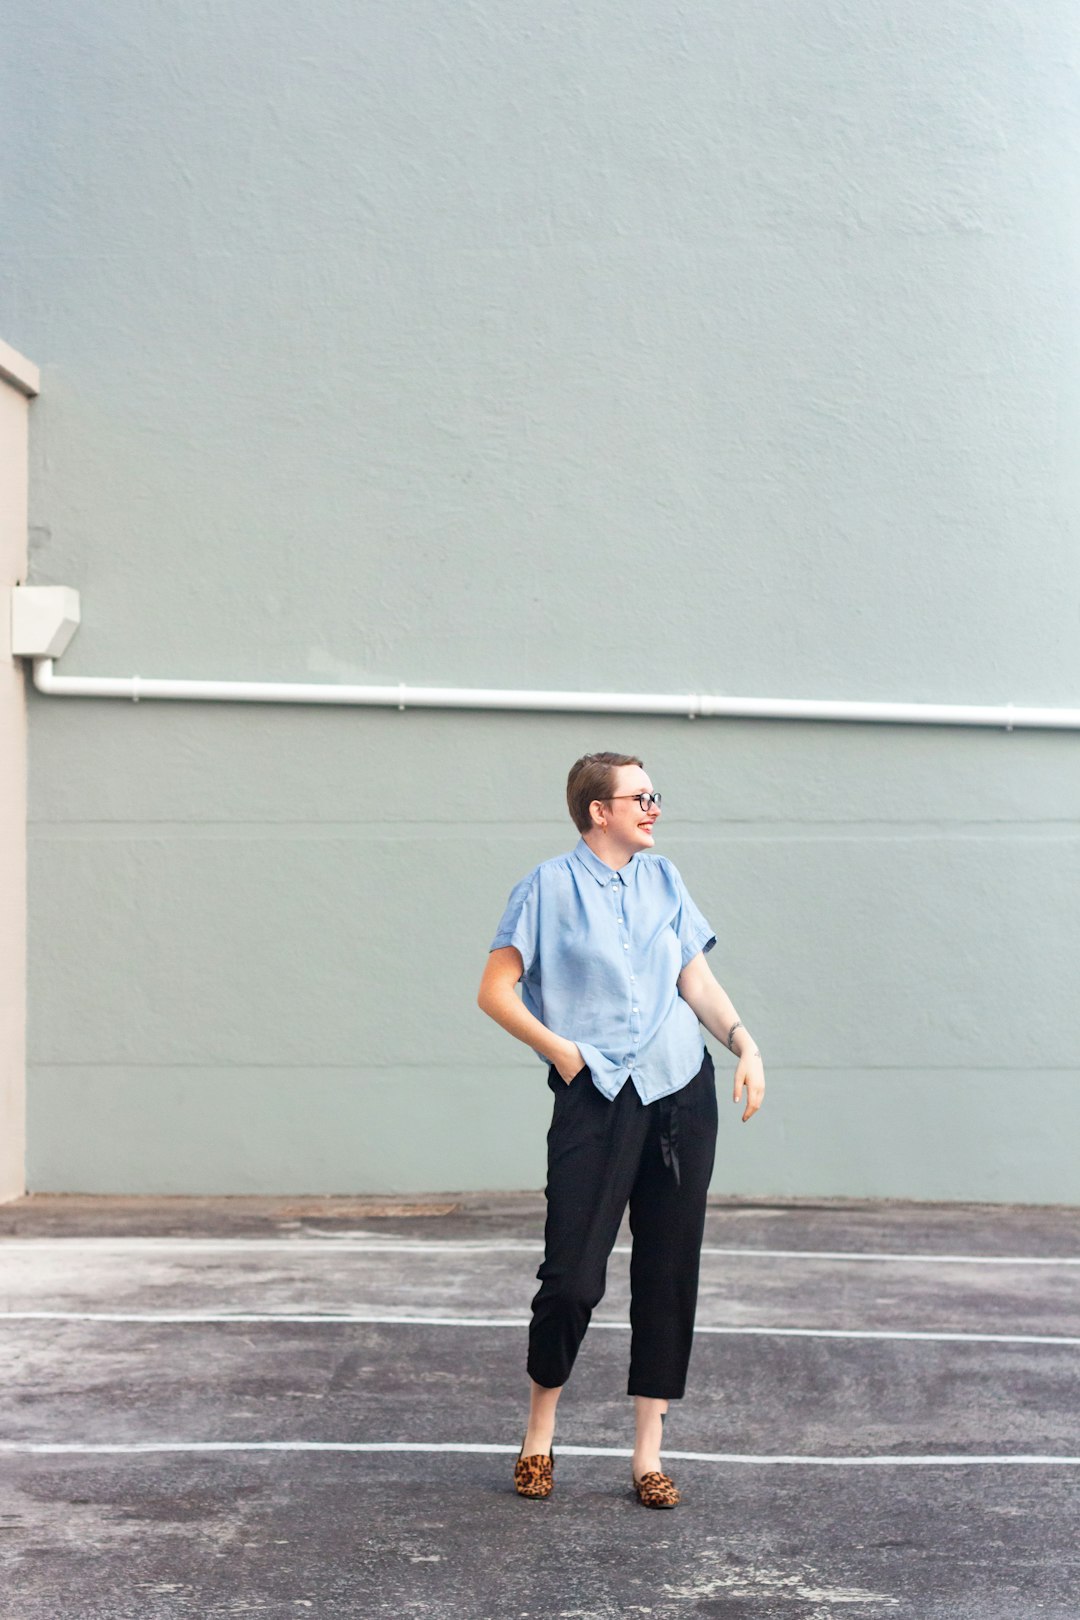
pixel 603 1154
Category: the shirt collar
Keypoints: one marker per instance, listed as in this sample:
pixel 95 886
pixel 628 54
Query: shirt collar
pixel 601 871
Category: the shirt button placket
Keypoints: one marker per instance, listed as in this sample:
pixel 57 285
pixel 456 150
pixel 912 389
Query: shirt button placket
pixel 620 918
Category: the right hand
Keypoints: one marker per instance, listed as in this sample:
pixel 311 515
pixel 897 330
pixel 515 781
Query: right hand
pixel 570 1062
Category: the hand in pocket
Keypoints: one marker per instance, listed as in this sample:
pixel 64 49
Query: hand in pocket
pixel 573 1064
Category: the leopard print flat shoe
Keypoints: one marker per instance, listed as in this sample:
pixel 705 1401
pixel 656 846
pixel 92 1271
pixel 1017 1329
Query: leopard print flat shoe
pixel 656 1490
pixel 534 1476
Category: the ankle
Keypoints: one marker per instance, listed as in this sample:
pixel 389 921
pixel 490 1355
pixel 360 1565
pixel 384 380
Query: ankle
pixel 647 1444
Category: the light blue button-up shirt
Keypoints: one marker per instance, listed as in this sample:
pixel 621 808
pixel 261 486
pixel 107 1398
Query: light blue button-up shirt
pixel 602 951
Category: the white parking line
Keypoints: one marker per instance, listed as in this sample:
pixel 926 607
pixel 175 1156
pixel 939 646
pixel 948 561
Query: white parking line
pixel 944 1460
pixel 323 1319
pixel 378 1245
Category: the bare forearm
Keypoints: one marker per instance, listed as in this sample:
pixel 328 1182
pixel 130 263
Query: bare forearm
pixel 507 1010
pixel 715 1010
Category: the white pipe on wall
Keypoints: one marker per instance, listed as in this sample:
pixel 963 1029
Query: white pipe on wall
pixel 136 688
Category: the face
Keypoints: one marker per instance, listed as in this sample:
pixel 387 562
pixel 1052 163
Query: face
pixel 627 823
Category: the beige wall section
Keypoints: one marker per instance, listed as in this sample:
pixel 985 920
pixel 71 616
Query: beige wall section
pixel 18 384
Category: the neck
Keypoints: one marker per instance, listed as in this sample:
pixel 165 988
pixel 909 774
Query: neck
pixel 613 852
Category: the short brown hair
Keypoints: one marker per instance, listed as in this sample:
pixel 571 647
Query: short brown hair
pixel 593 777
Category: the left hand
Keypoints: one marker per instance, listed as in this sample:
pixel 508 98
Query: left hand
pixel 750 1074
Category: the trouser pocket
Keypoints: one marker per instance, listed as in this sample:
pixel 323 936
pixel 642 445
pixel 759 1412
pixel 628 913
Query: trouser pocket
pixel 557 1083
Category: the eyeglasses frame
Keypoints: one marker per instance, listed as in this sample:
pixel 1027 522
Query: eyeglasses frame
pixel 654 800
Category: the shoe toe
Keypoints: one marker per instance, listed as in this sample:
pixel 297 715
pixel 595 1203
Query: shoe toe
pixel 657 1490
pixel 534 1475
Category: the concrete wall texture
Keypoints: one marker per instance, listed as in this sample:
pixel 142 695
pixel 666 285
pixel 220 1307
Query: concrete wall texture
pixel 625 346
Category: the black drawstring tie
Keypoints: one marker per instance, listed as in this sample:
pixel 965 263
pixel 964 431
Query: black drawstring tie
pixel 669 1132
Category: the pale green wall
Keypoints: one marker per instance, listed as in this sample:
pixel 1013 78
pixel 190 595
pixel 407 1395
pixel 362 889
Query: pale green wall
pixel 626 346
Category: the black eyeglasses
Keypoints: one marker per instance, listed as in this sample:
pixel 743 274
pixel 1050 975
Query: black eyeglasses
pixel 644 799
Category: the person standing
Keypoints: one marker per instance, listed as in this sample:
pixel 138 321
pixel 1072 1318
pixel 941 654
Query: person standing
pixel 610 951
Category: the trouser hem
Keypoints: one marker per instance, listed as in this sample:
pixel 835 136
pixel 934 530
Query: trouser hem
pixel 559 1383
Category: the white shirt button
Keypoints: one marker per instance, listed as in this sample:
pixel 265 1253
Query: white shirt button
pixel 625 947
pixel 635 1009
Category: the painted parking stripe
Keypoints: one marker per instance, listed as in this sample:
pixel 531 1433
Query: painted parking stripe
pixel 324 1319
pixel 942 1460
pixel 342 1244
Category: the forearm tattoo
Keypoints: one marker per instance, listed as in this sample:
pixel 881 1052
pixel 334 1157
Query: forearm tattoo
pixel 730 1036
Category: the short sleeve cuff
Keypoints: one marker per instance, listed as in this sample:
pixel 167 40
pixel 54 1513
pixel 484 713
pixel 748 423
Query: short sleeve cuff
pixel 704 941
